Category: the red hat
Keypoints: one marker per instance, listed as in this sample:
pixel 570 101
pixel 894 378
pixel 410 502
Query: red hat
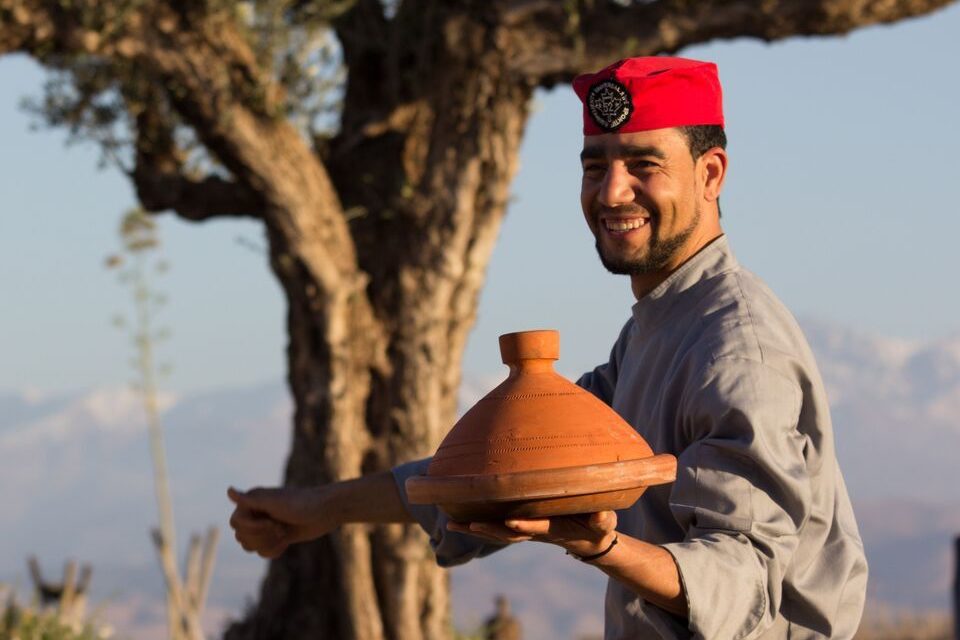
pixel 638 94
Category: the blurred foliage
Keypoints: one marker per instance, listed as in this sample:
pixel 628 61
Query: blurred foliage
pixel 297 45
pixel 83 98
pixel 475 634
pixel 98 100
pixel 887 623
pixel 28 623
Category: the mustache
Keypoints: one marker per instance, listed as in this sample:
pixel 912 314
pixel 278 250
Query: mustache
pixel 625 210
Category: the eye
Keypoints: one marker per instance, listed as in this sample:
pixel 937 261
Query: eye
pixel 594 171
pixel 642 164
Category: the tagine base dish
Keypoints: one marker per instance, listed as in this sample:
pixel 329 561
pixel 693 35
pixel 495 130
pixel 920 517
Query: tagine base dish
pixel 541 507
pixel 544 492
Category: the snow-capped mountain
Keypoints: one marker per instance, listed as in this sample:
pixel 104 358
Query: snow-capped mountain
pixel 77 483
pixel 896 412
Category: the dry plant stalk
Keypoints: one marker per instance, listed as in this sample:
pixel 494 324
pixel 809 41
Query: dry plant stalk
pixel 185 599
pixel 69 597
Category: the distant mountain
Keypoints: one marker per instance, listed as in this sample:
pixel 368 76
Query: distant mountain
pixel 75 469
pixel 896 412
pixel 909 546
pixel 79 468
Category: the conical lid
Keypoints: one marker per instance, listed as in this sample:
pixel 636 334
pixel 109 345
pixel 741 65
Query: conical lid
pixel 536 419
pixel 537 446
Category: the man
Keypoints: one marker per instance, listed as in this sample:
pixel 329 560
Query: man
pixel 756 538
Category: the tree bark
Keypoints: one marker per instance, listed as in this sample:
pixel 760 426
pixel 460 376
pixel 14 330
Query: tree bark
pixel 427 173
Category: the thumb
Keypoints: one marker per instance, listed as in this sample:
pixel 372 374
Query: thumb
pixel 236 496
pixel 244 499
pixel 258 499
pixel 603 521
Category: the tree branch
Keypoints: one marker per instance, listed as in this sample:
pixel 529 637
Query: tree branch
pixel 214 83
pixel 555 41
pixel 210 77
pixel 196 200
pixel 161 180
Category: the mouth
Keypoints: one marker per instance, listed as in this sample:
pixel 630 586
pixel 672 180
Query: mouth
pixel 623 226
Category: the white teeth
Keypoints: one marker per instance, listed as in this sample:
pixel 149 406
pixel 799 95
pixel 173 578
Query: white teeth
pixel 625 225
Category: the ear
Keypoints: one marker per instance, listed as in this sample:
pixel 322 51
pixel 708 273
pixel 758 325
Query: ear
pixel 712 168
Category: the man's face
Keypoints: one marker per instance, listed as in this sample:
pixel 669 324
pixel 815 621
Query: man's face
pixel 641 198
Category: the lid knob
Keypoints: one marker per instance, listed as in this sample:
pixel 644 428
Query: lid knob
pixel 541 344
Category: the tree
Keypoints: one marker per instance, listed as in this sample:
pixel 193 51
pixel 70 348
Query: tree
pixel 376 141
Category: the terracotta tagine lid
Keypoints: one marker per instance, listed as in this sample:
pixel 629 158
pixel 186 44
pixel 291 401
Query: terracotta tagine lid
pixel 538 445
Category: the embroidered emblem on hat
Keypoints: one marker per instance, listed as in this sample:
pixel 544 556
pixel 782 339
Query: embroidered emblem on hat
pixel 609 104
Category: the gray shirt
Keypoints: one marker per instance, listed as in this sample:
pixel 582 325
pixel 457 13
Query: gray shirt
pixel 712 368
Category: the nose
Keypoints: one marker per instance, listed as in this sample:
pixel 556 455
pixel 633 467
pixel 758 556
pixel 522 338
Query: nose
pixel 616 188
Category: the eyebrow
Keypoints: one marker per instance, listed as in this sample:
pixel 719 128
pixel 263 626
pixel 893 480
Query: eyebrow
pixel 622 151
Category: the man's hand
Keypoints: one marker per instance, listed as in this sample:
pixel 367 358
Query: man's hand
pixel 646 569
pixel 584 535
pixel 267 521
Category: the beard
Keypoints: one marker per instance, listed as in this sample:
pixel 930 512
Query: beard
pixel 660 254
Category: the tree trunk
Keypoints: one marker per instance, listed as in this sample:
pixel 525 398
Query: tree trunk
pixel 426 200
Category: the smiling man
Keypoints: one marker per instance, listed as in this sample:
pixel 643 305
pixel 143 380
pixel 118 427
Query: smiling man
pixel 756 538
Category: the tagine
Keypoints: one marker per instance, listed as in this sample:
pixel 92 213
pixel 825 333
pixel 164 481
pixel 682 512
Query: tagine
pixel 538 445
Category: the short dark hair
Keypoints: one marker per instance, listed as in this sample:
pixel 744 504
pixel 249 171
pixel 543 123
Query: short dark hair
pixel 703 137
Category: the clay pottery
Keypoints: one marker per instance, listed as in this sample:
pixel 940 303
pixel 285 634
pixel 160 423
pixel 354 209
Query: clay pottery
pixel 537 446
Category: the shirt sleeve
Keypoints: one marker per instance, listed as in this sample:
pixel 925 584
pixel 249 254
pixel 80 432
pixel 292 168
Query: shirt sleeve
pixel 742 493
pixel 451 547
pixel 602 381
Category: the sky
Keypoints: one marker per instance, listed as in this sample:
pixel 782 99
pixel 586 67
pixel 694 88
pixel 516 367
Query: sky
pixel 840 195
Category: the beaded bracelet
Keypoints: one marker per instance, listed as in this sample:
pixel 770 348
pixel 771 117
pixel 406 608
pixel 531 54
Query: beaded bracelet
pixel 616 539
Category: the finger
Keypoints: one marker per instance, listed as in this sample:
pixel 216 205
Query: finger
pixel 247 543
pixel 259 533
pixel 498 531
pixel 539 527
pixel 240 517
pixel 243 499
pixel 258 542
pixel 256 499
pixel 273 552
pixel 259 527
pixel 465 529
pixel 243 517
pixel 485 538
pixel 478 531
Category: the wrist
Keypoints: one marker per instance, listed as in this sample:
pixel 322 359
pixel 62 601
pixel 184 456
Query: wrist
pixel 594 551
pixel 327 509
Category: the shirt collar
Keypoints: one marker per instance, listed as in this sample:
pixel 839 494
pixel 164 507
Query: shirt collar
pixel 712 260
